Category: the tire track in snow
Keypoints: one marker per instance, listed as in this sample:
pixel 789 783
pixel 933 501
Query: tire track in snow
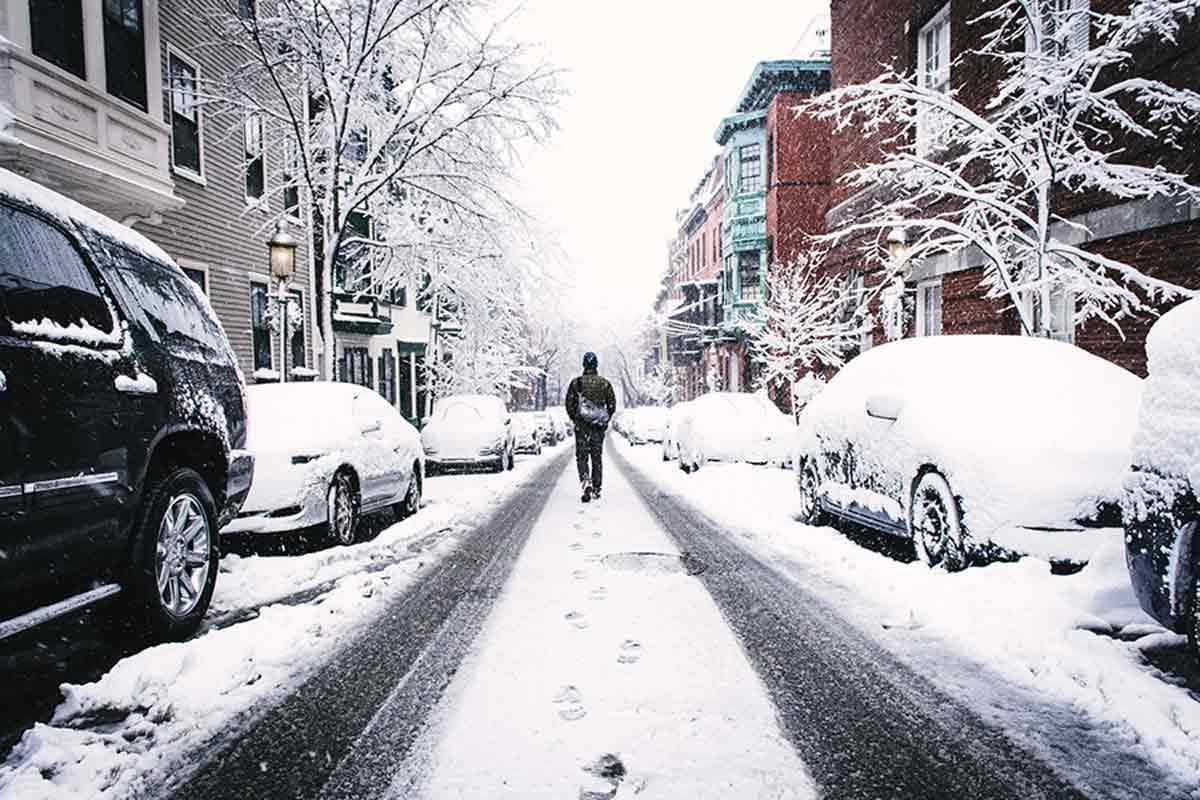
pixel 384 682
pixel 865 725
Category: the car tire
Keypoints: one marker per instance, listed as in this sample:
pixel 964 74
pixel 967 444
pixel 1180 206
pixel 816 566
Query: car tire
pixel 342 506
pixel 1193 632
pixel 176 553
pixel 809 482
pixel 412 498
pixel 512 461
pixel 935 524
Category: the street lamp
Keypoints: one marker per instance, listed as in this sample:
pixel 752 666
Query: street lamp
pixel 282 247
pixel 897 246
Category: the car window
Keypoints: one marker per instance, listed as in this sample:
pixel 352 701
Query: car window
pixel 43 277
pixel 170 302
pixel 461 413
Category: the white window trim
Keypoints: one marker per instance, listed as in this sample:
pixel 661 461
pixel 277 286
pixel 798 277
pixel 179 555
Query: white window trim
pixel 184 172
pixel 1080 40
pixel 941 17
pixel 198 266
pixel 261 203
pixel 921 310
pixel 1070 303
pixel 298 216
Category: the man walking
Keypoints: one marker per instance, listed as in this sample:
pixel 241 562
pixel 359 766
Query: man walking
pixel 590 405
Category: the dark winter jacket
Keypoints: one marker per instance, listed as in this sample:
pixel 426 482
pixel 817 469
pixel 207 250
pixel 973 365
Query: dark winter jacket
pixel 596 389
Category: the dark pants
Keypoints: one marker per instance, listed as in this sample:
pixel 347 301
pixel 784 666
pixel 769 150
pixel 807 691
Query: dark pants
pixel 589 444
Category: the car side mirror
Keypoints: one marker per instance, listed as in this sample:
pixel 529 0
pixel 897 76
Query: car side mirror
pixel 885 405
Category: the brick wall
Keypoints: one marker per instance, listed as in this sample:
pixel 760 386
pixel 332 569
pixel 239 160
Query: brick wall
pixel 798 192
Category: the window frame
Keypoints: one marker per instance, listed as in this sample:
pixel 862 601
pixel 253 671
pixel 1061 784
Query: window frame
pixel 743 161
pixel 296 295
pixel 186 264
pixel 255 282
pixel 922 311
pixel 261 201
pixel 174 54
pixel 83 49
pixel 144 107
pixel 1080 39
pixel 926 138
pixel 291 180
pixel 1045 297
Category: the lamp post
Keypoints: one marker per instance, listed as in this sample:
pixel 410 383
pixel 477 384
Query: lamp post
pixel 282 247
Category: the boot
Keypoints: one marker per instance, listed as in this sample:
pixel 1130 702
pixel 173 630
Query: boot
pixel 587 491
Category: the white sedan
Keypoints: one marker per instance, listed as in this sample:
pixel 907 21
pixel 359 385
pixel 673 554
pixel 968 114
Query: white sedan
pixel 976 447
pixel 733 426
pixel 327 453
pixel 469 431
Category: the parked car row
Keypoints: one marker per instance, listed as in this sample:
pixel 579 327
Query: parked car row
pixel 1025 448
pixel 643 425
pixel 132 442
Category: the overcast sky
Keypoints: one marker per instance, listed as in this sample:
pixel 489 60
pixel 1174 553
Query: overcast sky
pixel 649 80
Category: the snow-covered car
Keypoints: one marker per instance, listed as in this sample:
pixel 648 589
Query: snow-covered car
pixel 122 422
pixel 733 426
pixel 646 425
pixel 527 433
pixel 549 431
pixel 327 453
pixel 676 414
pixel 468 430
pixel 1161 510
pixel 976 447
pixel 562 421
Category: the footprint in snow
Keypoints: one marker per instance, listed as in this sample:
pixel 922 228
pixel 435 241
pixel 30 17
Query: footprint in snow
pixel 631 652
pixel 579 574
pixel 599 593
pixel 596 534
pixel 576 546
pixel 576 619
pixel 571 700
pixel 578 526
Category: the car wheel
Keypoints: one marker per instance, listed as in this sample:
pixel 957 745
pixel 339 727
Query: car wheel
pixel 512 460
pixel 935 523
pixel 809 483
pixel 412 499
pixel 1191 530
pixel 342 507
pixel 173 580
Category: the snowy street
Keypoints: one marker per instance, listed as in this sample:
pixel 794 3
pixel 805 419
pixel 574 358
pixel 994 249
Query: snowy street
pixel 634 646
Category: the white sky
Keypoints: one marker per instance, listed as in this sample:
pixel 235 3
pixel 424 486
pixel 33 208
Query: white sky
pixel 649 81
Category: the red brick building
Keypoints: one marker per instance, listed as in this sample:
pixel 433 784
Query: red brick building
pixel 1160 238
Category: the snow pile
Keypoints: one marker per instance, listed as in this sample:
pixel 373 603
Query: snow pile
pixel 1027 431
pixel 1168 433
pixel 1012 620
pixel 68 211
pixel 145 718
pixel 82 332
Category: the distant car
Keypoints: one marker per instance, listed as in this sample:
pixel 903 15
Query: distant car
pixel 549 431
pixel 122 421
pixel 976 447
pixel 1161 509
pixel 559 415
pixel 469 431
pixel 675 417
pixel 527 434
pixel 646 425
pixel 733 426
pixel 326 454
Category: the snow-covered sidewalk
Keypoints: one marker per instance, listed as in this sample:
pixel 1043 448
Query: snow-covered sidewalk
pixel 1016 621
pixel 598 659
pixel 108 739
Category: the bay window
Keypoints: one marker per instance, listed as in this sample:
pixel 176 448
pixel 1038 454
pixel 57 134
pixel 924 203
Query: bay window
pixel 125 51
pixel 56 30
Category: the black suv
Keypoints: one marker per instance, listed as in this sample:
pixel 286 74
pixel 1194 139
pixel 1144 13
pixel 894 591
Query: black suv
pixel 122 422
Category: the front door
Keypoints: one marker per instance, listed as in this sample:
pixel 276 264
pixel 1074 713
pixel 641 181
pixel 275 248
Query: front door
pixel 64 477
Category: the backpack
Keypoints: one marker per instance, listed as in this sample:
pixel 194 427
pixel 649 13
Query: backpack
pixel 592 414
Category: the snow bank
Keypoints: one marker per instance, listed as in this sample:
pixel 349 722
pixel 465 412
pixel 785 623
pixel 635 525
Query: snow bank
pixel 143 720
pixel 1015 620
pixel 69 211
pixel 1168 433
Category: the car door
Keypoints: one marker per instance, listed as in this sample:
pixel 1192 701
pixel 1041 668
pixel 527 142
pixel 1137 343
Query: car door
pixel 383 477
pixel 64 426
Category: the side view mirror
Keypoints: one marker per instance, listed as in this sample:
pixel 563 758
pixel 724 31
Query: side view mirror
pixel 885 405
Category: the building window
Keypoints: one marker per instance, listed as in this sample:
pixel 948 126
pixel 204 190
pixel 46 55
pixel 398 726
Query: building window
pixel 405 376
pixel 352 266
pixel 1051 312
pixel 933 72
pixel 770 158
pixel 198 277
pixel 260 325
pixel 1063 28
pixel 750 164
pixel 929 308
pixel 247 9
pixel 291 178
pixel 750 289
pixel 185 115
pixel 56 28
pixel 296 338
pixel 387 376
pixel 125 51
pixel 357 367
pixel 256 174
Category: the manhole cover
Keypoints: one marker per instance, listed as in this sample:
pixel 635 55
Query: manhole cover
pixel 655 563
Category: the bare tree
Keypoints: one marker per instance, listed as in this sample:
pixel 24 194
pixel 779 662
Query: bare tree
pixel 811 322
pixel 1063 119
pixel 402 117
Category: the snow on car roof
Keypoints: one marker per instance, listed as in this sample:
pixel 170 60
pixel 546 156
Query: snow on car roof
pixel 67 210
